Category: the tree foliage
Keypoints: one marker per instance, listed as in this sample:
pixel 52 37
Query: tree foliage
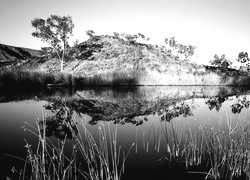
pixel 133 39
pixel 90 33
pixel 55 30
pixel 179 49
pixel 243 58
pixel 220 61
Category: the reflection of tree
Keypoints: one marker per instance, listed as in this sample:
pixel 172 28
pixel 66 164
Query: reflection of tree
pixel 58 124
pixel 181 109
pixel 215 102
pixel 240 104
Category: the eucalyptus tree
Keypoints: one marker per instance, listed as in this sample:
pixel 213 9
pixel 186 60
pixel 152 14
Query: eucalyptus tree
pixel 171 42
pixel 243 58
pixel 55 30
pixel 190 50
pixel 90 33
pixel 220 61
pixel 216 61
pixel 179 49
pixel 142 37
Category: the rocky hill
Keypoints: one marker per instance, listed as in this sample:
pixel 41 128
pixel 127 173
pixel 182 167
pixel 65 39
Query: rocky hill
pixel 108 54
pixel 106 58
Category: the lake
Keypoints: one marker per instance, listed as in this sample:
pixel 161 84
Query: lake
pixel 165 131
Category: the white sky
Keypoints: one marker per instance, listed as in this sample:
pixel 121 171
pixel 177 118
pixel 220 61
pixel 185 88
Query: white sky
pixel 215 26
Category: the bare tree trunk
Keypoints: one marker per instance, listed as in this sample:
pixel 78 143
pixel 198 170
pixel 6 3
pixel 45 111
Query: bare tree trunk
pixel 63 56
pixel 61 69
pixel 62 61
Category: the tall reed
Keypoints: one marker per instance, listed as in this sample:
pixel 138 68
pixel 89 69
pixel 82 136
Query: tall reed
pixel 33 79
pixel 225 150
pixel 101 159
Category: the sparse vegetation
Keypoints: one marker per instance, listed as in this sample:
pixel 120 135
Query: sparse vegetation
pixel 184 52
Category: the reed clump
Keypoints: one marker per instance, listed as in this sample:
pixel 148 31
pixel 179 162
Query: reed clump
pixel 115 78
pixel 226 150
pixel 33 79
pixel 229 149
pixel 90 159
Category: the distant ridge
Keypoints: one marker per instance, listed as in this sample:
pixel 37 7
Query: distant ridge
pixel 12 54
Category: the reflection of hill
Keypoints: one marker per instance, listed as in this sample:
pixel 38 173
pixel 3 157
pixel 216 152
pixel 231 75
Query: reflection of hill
pixel 111 94
pixel 129 105
pixel 153 93
pixel 124 110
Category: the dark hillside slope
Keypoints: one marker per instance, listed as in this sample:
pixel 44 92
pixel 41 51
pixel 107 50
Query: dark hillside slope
pixel 13 55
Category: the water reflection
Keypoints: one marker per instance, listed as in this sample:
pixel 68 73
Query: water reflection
pixel 60 124
pixel 104 106
pixel 236 107
pixel 215 102
pixel 160 120
pixel 126 108
pixel 122 111
pixel 241 102
pixel 179 109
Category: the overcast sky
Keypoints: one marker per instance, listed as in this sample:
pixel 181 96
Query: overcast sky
pixel 215 26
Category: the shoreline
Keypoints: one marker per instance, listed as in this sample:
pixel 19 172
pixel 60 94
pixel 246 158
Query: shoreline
pixel 38 79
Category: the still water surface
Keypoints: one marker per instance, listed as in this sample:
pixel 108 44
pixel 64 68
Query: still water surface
pixel 151 118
